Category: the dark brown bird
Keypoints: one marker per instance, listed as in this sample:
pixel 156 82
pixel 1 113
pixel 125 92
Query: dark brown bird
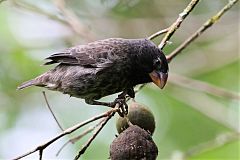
pixel 104 67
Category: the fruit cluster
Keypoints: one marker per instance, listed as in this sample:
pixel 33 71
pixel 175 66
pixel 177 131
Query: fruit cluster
pixel 135 135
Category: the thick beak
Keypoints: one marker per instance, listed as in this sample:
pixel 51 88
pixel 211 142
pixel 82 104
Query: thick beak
pixel 159 78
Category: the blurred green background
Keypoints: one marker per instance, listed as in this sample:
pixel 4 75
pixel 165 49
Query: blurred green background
pixel 191 124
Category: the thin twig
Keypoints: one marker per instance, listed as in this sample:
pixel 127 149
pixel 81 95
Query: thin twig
pixel 158 34
pixel 41 147
pixel 178 22
pixel 54 116
pixel 40 154
pixel 202 86
pixel 95 134
pixel 75 139
pixel 205 26
pixel 73 20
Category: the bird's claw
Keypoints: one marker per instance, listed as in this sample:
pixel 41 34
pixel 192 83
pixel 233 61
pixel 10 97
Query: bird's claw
pixel 123 107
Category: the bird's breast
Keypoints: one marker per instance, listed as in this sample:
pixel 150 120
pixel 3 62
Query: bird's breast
pixel 94 83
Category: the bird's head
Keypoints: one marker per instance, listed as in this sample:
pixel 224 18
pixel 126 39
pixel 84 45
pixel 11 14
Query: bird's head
pixel 159 74
pixel 149 61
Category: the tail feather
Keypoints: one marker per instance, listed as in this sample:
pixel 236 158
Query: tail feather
pixel 27 84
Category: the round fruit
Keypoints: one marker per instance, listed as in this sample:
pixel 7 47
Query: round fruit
pixel 133 143
pixel 138 115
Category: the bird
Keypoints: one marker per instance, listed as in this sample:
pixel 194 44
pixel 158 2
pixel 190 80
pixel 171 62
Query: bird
pixel 102 68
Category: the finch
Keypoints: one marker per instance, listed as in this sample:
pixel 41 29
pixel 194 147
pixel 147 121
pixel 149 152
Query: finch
pixel 104 67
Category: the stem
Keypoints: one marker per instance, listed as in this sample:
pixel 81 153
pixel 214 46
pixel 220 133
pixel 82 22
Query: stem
pixel 205 26
pixel 75 139
pixel 177 23
pixel 158 34
pixel 49 107
pixel 67 131
pixel 94 136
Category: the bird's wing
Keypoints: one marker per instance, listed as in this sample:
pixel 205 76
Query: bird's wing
pixel 98 54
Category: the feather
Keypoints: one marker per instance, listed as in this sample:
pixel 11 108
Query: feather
pixel 97 54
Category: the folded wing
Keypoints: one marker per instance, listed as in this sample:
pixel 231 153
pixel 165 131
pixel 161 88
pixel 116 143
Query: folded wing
pixel 98 54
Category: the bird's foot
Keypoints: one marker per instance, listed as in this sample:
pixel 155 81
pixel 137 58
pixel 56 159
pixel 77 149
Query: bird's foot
pixel 123 107
pixel 120 100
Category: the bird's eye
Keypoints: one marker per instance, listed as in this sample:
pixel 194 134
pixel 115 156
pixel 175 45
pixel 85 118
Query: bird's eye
pixel 157 64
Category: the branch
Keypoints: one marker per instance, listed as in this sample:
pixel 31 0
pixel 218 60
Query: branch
pixel 94 135
pixel 171 30
pixel 205 26
pixel 41 147
pixel 202 86
pixel 75 139
pixel 177 23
